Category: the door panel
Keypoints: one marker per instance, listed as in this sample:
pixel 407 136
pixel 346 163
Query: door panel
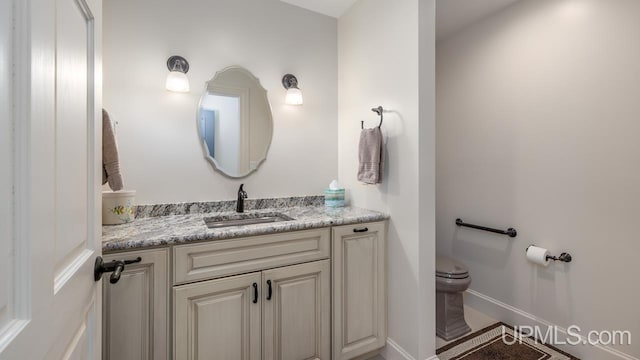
pixel 73 142
pixel 77 230
pixel 6 175
pixel 77 349
pixel 55 167
pixel 127 324
pixel 360 287
pixel 218 320
pixel 297 317
pixel 77 345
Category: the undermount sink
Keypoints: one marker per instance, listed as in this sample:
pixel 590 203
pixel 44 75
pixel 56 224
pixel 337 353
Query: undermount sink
pixel 216 222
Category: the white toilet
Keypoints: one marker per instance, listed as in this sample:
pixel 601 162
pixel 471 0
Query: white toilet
pixel 452 279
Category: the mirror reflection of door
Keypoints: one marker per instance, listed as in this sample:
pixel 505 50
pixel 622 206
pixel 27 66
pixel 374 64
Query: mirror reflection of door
pixel 208 129
pixel 234 122
pixel 223 130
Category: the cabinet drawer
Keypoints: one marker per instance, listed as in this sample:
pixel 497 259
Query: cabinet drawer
pixel 235 256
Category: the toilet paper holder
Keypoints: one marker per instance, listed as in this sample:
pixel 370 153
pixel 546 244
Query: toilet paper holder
pixel 564 257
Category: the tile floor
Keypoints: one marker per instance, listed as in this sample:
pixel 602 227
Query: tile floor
pixel 475 319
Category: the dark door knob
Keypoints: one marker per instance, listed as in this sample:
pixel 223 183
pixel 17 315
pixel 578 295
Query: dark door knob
pixel 115 267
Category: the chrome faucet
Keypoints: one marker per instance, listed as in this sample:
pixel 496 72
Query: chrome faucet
pixel 241 196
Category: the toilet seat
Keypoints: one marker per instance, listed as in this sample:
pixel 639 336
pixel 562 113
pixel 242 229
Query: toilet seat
pixel 452 285
pixel 450 269
pixel 452 276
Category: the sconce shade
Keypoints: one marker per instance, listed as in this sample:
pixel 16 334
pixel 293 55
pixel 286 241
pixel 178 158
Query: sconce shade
pixel 177 79
pixel 294 95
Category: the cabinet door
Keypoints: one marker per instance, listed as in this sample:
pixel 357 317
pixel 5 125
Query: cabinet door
pixel 297 315
pixel 218 319
pixel 359 289
pixel 136 308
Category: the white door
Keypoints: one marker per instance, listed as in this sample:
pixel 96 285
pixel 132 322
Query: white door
pixel 50 162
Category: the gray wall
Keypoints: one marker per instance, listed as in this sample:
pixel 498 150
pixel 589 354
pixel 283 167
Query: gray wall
pixel 162 157
pixel 537 128
pixel 381 57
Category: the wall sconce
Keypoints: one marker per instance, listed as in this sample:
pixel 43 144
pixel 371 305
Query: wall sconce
pixel 177 79
pixel 294 95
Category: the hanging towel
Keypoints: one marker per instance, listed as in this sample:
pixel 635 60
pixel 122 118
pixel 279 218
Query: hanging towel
pixel 110 159
pixel 371 156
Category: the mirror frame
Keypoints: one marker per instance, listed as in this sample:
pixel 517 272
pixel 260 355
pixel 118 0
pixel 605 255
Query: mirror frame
pixel 203 143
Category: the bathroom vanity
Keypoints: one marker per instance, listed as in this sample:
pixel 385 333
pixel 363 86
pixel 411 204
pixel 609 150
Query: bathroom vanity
pixel 309 288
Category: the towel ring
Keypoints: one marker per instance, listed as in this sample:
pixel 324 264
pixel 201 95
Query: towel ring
pixel 378 110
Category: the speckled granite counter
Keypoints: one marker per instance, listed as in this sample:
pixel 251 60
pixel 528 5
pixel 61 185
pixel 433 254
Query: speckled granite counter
pixel 179 229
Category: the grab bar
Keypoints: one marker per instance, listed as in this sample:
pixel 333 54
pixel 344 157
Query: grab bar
pixel 510 231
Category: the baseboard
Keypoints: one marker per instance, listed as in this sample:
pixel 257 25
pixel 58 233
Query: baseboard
pixel 514 316
pixel 393 351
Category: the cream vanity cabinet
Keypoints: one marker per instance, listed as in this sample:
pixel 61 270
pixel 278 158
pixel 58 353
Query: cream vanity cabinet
pixel 282 313
pixel 135 310
pixel 312 294
pixel 278 306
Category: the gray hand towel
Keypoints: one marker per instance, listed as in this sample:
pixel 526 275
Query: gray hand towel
pixel 371 156
pixel 110 159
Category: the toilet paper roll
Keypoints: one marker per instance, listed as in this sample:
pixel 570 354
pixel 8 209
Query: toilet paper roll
pixel 538 255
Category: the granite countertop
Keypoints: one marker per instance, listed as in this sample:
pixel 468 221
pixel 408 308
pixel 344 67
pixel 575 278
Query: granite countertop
pixel 184 228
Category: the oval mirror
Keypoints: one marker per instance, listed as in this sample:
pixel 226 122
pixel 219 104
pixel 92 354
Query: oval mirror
pixel 235 123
